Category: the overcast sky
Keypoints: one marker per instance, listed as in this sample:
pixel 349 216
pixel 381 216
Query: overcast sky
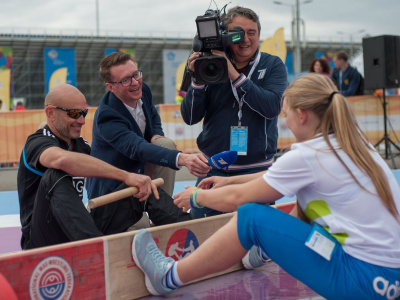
pixel 323 18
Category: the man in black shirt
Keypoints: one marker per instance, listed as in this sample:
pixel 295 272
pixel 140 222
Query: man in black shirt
pixel 54 163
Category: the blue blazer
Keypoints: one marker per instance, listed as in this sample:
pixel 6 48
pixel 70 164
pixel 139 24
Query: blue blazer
pixel 118 140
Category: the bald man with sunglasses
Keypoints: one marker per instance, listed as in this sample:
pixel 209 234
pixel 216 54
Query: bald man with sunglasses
pixel 54 163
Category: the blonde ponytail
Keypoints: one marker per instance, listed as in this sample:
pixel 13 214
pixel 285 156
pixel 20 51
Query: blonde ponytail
pixel 318 93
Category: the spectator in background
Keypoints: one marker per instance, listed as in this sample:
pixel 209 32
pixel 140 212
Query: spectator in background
pixel 346 77
pixel 20 106
pixel 320 66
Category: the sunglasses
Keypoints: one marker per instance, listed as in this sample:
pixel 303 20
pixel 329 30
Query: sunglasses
pixel 73 113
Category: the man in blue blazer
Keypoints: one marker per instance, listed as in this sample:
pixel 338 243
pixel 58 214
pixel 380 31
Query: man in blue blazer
pixel 127 133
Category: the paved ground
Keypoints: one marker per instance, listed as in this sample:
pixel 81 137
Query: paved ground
pixel 8 179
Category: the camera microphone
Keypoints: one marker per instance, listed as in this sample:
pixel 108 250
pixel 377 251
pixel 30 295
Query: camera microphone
pixel 222 160
pixel 197 44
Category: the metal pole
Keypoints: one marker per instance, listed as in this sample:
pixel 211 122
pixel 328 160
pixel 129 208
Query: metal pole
pixel 387 145
pixel 351 45
pixel 297 63
pixel 97 18
pixel 293 26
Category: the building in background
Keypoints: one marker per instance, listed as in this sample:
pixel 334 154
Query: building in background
pixel 28 71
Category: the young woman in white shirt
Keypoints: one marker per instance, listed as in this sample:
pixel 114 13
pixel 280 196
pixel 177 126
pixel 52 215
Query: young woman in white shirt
pixel 346 243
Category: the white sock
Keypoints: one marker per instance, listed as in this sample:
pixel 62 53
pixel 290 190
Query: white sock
pixel 172 279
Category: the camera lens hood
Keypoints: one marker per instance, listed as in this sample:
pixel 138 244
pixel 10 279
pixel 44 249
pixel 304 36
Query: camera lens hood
pixel 211 69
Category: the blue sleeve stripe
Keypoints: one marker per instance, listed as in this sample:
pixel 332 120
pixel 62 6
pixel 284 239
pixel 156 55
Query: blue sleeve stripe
pixel 28 166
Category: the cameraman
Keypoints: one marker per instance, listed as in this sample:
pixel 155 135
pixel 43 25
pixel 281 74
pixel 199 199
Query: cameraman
pixel 244 109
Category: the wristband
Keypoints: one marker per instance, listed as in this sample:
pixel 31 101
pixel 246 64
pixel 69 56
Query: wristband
pixel 191 202
pixel 194 198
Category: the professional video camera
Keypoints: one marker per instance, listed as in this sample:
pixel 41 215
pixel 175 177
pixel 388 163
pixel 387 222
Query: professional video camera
pixel 211 34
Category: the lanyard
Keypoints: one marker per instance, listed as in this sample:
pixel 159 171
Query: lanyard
pixel 241 101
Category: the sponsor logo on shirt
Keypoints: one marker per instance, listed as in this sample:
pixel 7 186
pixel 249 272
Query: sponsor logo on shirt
pixel 48 133
pixel 261 73
pixel 79 183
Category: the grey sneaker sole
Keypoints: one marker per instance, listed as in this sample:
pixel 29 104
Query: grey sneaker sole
pixel 246 262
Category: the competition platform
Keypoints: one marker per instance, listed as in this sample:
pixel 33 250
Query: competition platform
pixel 103 268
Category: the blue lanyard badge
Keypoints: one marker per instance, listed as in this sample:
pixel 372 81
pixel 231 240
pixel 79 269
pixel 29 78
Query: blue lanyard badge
pixel 239 136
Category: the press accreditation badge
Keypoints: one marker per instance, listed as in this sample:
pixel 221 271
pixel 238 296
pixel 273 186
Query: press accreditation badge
pixel 321 242
pixel 239 139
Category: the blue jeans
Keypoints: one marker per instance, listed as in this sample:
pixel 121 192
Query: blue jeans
pixel 208 212
pixel 282 237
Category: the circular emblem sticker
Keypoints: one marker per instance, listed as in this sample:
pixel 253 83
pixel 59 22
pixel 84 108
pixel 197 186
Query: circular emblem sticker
pixel 52 54
pixel 52 279
pixel 181 243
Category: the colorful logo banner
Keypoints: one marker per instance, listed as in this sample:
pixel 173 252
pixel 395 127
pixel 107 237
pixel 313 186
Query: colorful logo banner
pixel 275 45
pixel 59 64
pixel 328 56
pixel 5 78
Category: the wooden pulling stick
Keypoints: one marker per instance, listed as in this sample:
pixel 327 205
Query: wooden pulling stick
pixel 115 196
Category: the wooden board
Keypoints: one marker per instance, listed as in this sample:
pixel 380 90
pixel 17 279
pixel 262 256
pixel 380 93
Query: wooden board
pixel 103 267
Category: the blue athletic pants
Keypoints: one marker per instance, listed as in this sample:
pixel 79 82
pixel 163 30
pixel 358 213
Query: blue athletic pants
pixel 282 237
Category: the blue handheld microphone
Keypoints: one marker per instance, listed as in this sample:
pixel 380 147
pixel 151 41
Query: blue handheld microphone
pixel 222 160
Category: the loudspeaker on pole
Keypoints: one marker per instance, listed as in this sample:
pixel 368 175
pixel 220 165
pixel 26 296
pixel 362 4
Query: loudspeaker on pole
pixel 381 62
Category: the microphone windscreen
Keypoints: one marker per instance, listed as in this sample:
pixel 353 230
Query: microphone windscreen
pixel 197 44
pixel 222 160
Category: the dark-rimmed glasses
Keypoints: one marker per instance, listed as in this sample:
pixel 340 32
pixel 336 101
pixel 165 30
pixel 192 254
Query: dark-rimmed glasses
pixel 128 81
pixel 73 113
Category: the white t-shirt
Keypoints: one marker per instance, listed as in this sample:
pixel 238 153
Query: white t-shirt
pixel 330 197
